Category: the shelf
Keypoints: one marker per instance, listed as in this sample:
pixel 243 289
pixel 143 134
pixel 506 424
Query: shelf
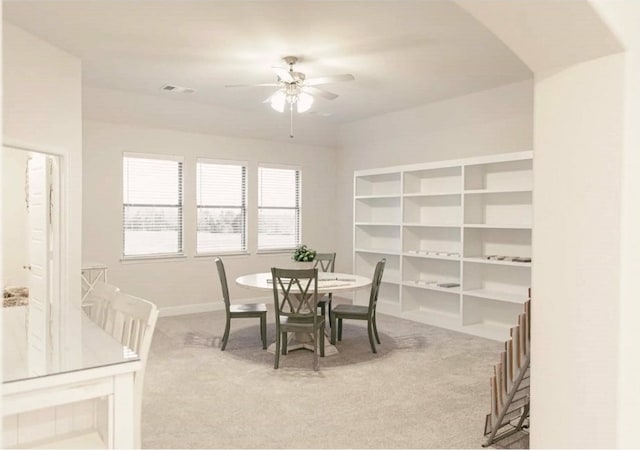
pixel 487 241
pixel 376 224
pixel 470 208
pixel 377 251
pixel 500 176
pixel 377 185
pixel 480 260
pixel 432 194
pixel 413 284
pixel 80 441
pixel 496 191
pixel 432 224
pixel 513 226
pixel 378 210
pixel 444 208
pixel 446 258
pixel 500 296
pixel 375 197
pixel 433 180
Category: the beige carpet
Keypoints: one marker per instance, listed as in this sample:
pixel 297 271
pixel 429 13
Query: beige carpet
pixel 426 388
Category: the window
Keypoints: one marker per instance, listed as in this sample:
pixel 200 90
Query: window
pixel 222 207
pixel 152 205
pixel 278 208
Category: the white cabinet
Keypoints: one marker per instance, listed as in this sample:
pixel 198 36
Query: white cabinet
pixel 456 236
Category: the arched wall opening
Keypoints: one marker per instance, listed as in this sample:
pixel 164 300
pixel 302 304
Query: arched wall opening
pixel 585 56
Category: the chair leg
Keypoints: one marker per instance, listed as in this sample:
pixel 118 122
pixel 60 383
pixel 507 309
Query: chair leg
pixel 315 351
pixel 375 330
pixel 340 328
pixel 263 330
pixel 284 343
pixel 370 330
pixel 333 329
pixel 321 339
pixel 225 336
pixel 330 313
pixel 277 358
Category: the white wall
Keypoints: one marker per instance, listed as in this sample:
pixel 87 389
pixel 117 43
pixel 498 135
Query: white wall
pixel 14 218
pixel 498 120
pixel 178 284
pixel 576 253
pixel 622 17
pixel 42 110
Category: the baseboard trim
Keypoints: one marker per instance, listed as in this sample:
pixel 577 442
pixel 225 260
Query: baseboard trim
pixel 196 308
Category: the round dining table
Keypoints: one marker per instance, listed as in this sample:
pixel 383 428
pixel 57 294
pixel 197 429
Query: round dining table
pixel 328 282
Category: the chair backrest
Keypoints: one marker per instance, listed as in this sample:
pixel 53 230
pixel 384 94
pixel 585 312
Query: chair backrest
pixel 132 320
pixel 325 262
pixel 375 286
pixel 223 284
pixel 295 292
pixel 97 301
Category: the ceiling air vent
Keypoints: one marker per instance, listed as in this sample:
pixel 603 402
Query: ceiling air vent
pixel 173 88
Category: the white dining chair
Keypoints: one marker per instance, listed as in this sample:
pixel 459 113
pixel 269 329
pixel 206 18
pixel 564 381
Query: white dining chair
pixel 132 320
pixel 97 301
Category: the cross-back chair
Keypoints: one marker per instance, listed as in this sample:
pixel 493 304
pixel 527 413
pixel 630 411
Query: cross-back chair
pixel 131 321
pixel 97 301
pixel 360 312
pixel 325 262
pixel 244 311
pixel 295 296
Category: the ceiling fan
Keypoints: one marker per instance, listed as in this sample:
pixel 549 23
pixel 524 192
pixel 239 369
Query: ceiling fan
pixel 295 90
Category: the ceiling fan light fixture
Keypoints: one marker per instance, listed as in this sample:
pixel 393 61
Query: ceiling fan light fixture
pixel 304 102
pixel 278 100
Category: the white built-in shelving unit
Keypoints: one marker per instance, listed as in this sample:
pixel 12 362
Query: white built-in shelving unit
pixel 437 224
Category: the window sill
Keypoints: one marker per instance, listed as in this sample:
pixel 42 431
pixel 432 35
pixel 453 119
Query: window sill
pixel 276 251
pixel 214 255
pixel 152 258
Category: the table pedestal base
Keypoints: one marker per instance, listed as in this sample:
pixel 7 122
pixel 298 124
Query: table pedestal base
pixel 297 341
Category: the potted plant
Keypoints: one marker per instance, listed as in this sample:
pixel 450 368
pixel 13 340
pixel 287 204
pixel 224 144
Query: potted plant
pixel 304 254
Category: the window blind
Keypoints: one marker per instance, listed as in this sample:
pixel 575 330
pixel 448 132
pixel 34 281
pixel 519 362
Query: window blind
pixel 152 206
pixel 222 207
pixel 278 208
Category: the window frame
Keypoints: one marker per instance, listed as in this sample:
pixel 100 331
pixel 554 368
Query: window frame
pixel 153 256
pixel 298 169
pixel 229 162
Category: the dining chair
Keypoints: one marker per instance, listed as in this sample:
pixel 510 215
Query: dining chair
pixel 361 312
pixel 325 262
pixel 295 296
pixel 131 321
pixel 243 311
pixel 97 301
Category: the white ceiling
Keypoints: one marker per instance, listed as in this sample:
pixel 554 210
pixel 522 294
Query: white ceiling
pixel 402 53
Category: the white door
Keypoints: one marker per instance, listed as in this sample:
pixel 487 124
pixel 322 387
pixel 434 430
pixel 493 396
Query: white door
pixel 39 186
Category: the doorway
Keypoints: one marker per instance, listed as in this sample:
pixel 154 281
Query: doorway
pixel 30 252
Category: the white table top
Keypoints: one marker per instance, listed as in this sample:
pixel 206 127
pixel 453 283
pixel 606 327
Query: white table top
pixel 327 281
pixel 92 347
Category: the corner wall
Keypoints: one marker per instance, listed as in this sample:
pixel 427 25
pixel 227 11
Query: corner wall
pixel 494 121
pixel 576 254
pixel 42 110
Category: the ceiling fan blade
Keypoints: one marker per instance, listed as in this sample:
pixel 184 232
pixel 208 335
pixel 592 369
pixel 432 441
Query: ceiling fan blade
pixel 251 85
pixel 320 92
pixel 329 79
pixel 283 74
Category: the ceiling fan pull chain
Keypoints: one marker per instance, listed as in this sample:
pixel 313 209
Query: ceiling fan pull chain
pixel 291 120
